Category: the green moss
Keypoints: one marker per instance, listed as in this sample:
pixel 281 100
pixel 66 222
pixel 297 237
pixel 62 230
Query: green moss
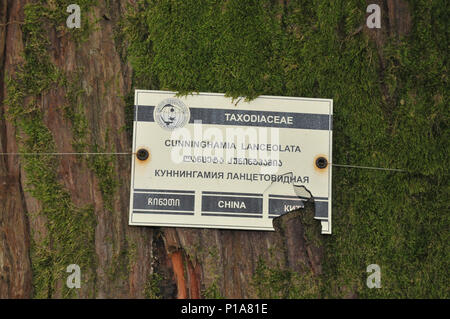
pixel 212 270
pixel 132 255
pixel 129 114
pixel 212 291
pixel 275 282
pixel 152 290
pixel 118 270
pixel 103 165
pixel 74 112
pixel 104 168
pixel 205 41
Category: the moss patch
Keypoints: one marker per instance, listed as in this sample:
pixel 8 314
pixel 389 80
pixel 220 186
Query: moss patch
pixel 276 282
pixel 151 289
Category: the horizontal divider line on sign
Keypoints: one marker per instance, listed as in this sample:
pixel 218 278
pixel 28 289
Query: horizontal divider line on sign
pixel 161 212
pixel 232 215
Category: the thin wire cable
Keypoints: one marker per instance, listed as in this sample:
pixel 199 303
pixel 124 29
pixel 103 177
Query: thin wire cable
pixel 129 153
pixel 370 167
pixel 44 154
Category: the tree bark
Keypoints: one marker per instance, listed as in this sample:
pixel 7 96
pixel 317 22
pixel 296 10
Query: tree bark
pixel 131 262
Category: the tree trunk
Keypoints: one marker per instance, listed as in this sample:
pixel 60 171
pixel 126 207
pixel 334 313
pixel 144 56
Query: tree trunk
pixel 133 262
pixel 65 91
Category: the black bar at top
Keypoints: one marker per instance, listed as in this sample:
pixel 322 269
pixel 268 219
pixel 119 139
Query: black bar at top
pixel 218 117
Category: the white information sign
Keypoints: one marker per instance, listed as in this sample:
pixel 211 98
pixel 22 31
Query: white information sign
pixel 205 160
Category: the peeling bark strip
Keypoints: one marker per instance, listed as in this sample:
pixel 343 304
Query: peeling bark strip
pixel 178 269
pixel 194 280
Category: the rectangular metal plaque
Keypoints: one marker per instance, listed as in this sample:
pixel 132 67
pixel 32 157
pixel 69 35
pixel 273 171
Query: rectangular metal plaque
pixel 205 160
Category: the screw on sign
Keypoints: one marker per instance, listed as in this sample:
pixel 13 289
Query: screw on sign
pixel 321 162
pixel 142 154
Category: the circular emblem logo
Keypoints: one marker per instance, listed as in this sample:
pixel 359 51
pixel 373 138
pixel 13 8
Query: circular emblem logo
pixel 171 114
